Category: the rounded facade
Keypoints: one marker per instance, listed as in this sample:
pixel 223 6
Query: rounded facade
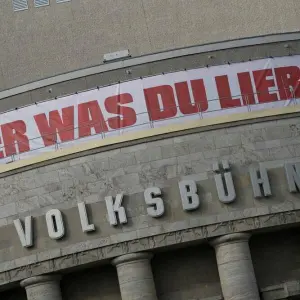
pixel 149 150
pixel 46 41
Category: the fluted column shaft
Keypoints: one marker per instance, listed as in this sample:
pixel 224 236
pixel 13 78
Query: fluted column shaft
pixel 235 267
pixel 135 276
pixel 44 287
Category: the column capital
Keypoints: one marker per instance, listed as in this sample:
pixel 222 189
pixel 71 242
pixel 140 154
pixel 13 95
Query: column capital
pixel 131 257
pixel 39 279
pixel 231 238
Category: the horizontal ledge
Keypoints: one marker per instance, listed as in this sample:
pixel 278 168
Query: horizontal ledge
pixel 244 42
pixel 138 136
pixel 14 271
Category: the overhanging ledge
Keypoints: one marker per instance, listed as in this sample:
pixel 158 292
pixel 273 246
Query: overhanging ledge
pixel 101 251
pixel 244 42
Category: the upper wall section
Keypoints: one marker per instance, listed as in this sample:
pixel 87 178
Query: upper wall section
pixel 214 54
pixel 42 42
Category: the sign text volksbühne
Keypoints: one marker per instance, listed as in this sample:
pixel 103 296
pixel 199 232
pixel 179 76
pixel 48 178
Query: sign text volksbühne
pixel 189 193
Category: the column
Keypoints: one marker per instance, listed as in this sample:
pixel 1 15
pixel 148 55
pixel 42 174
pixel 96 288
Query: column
pixel 45 287
pixel 135 276
pixel 235 267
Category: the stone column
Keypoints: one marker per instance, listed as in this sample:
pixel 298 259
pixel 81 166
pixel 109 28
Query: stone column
pixel 135 276
pixel 45 287
pixel 235 267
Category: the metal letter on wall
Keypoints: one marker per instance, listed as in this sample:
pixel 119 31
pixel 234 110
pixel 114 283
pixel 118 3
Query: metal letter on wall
pixel 189 197
pixel 260 182
pixel 292 171
pixel 156 204
pixel 25 234
pixel 224 183
pixel 55 224
pixel 115 207
pixel 86 226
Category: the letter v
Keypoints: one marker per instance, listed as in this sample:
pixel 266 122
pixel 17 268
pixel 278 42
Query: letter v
pixel 25 234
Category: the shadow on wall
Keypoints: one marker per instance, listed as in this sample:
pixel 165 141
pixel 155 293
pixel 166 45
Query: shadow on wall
pixel 182 274
pixel 98 283
pixel 276 257
pixel 15 294
pixel 189 273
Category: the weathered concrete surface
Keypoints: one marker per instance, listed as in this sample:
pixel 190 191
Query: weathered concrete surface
pixel 188 273
pixel 76 34
pixel 96 283
pixel 42 287
pixel 235 267
pixel 135 276
pixel 66 86
pixel 132 169
pixel 191 273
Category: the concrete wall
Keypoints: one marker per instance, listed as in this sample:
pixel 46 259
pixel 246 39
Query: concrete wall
pixel 276 257
pixel 99 283
pixel 234 54
pixel 190 273
pixel 131 170
pixel 43 42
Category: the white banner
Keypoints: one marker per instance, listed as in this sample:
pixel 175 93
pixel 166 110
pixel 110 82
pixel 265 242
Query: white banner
pixel 149 103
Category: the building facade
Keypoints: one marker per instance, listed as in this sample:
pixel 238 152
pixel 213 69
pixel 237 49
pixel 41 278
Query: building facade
pixel 200 199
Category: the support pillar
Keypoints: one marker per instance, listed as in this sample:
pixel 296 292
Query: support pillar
pixel 135 276
pixel 235 267
pixel 45 287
